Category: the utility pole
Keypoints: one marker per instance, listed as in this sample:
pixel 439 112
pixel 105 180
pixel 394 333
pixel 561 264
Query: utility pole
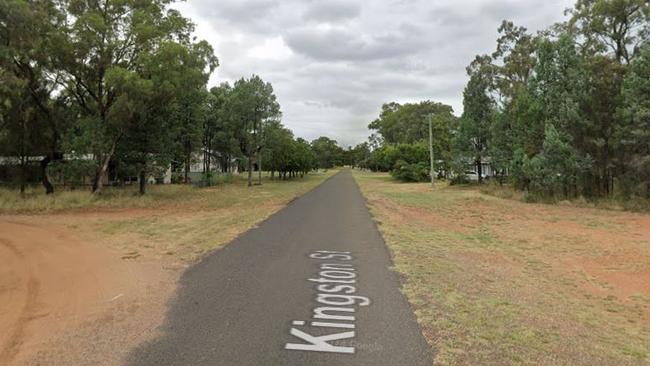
pixel 430 115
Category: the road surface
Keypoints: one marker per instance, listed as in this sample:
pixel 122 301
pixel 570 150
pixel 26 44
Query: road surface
pixel 310 286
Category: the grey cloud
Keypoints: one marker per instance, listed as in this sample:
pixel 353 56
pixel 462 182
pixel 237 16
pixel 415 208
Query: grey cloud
pixel 339 44
pixel 332 11
pixel 341 59
pixel 237 11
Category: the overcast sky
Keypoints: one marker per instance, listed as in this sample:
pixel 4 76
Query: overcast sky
pixel 333 63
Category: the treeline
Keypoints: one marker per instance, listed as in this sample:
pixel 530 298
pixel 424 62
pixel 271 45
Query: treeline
pixel 400 141
pixel 561 113
pixel 92 86
pixel 565 112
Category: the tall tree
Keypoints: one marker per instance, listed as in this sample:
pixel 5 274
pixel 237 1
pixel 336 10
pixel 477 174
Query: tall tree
pixel 632 136
pixel 98 37
pixel 26 32
pixel 251 105
pixel 165 102
pixel 408 123
pixel 620 26
pixel 474 129
pixel 328 153
pixel 218 135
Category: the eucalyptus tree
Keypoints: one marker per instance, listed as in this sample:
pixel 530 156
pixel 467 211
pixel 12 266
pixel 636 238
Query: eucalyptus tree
pixel 278 149
pixel 473 133
pixel 100 38
pixel 620 27
pixel 633 134
pixel 218 135
pixel 328 153
pixel 165 103
pixel 28 78
pixel 251 105
pixel 408 123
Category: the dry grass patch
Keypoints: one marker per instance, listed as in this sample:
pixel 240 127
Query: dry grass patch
pixel 176 222
pixel 497 281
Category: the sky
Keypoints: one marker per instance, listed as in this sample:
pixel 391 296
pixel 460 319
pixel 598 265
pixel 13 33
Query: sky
pixel 333 63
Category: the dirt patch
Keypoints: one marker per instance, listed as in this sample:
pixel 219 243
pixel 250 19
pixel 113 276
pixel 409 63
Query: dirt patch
pixel 57 289
pixel 404 215
pixel 83 279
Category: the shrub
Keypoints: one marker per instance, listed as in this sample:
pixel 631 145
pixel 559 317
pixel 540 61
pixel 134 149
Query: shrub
pixel 212 179
pixel 417 172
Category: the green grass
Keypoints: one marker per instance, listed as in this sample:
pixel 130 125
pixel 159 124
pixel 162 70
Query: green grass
pixel 489 281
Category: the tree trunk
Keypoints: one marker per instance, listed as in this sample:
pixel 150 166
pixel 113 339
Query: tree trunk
pixel 23 174
pixel 250 171
pixel 143 181
pixel 479 170
pixel 45 163
pixel 98 184
pixel 259 167
pixel 186 173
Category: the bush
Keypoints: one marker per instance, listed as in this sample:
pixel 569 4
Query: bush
pixel 460 178
pixel 417 172
pixel 212 179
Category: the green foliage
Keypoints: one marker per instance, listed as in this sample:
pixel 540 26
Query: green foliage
pixel 563 113
pixel 408 123
pixel 555 170
pixel 401 144
pixel 473 135
pixel 210 179
pixel 74 170
pixel 328 153
pixel 120 86
pixel 410 172
pixel 633 134
pixel 251 106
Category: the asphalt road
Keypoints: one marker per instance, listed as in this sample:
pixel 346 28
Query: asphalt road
pixel 310 286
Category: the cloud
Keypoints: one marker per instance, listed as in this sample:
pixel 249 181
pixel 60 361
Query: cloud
pixel 332 11
pixel 343 44
pixel 333 63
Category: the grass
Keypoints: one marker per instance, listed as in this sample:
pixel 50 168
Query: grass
pixel 495 281
pixel 633 204
pixel 170 221
pixel 35 201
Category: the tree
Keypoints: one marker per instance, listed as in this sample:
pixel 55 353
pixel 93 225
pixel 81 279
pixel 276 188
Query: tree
pixel 304 158
pixel 632 136
pixel 327 151
pixel 408 123
pixel 20 135
pixel 361 155
pixel 473 133
pixel 26 32
pixel 620 26
pixel 165 102
pixel 251 105
pixel 557 166
pixel 278 149
pixel 103 37
pixel 218 133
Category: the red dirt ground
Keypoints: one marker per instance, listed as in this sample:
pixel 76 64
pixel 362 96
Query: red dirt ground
pixel 59 292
